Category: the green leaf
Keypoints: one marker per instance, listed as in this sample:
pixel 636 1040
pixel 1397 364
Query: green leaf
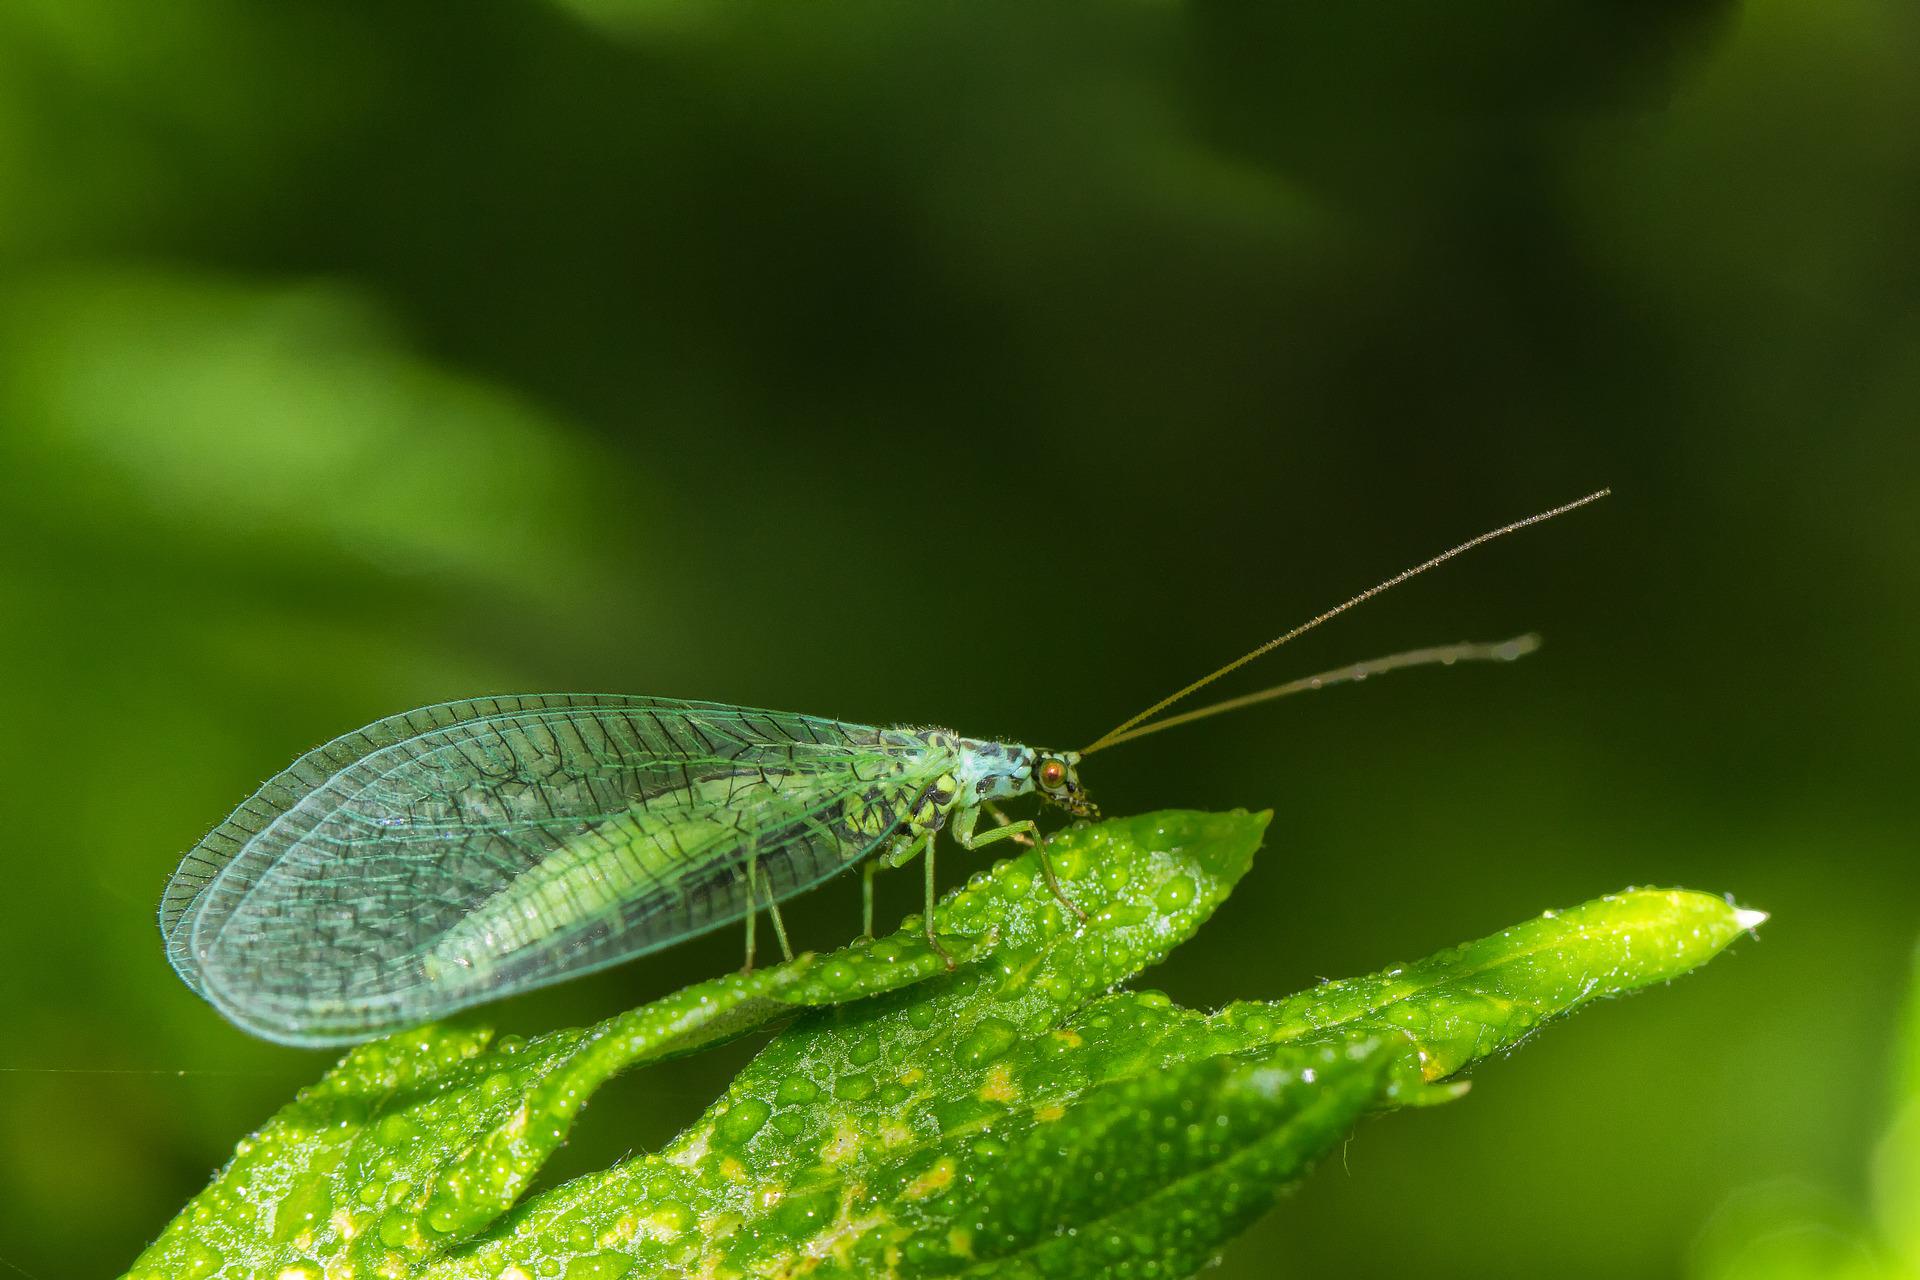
pixel 415 1141
pixel 1013 1117
pixel 920 1169
pixel 1484 997
pixel 1147 1174
pixel 757 1183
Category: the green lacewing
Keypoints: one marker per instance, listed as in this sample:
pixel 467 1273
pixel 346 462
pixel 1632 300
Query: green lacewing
pixel 463 852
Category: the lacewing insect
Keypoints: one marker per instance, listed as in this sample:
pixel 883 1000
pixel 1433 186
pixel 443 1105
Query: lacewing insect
pixel 468 851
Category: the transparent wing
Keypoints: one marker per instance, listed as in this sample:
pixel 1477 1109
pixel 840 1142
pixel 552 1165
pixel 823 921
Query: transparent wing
pixel 467 851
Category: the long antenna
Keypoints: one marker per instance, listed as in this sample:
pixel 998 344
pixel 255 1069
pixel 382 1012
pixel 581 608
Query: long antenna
pixel 1115 734
pixel 1444 655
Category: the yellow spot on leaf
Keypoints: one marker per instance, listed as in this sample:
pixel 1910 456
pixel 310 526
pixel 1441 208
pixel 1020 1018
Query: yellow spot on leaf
pixel 936 1178
pixel 693 1153
pixel 718 1226
pixel 665 1223
pixel 999 1085
pixel 1049 1113
pixel 841 1145
pixel 839 1237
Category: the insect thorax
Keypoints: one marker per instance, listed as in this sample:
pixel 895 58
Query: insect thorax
pixel 992 770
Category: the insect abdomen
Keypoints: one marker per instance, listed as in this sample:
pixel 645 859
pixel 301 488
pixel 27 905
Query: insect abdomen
pixel 588 881
pixel 634 869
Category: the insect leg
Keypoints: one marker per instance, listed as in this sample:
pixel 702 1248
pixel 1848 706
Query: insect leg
pixel 993 811
pixel 1023 831
pixel 1018 831
pixel 867 871
pixel 906 845
pixel 779 925
pixel 753 912
pixel 928 916
pixel 916 837
pixel 1046 870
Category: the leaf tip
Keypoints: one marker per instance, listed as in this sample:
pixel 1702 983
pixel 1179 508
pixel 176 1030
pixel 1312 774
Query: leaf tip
pixel 1749 919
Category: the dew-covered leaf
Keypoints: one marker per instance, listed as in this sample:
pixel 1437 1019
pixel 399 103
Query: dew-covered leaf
pixel 414 1143
pixel 1144 1175
pixel 1015 1117
pixel 1484 997
pixel 844 1089
pixel 905 1136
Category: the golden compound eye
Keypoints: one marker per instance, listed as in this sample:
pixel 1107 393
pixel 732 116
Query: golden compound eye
pixel 1052 774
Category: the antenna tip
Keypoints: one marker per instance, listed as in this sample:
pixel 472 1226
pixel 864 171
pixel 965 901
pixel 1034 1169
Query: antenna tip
pixel 1518 647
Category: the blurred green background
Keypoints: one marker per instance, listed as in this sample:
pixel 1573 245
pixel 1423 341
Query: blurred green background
pixel 1003 366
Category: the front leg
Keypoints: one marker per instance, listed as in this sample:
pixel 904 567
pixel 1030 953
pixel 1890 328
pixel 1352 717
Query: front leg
pixel 993 811
pixel 964 821
pixel 1023 831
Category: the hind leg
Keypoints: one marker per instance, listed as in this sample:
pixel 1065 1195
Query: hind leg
pixel 867 871
pixel 753 913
